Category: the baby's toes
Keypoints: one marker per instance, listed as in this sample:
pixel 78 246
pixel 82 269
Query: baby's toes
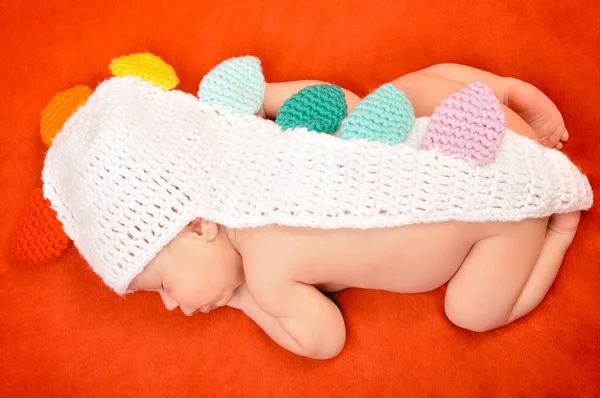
pixel 560 137
pixel 556 138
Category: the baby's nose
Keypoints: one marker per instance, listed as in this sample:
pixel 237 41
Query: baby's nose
pixel 169 303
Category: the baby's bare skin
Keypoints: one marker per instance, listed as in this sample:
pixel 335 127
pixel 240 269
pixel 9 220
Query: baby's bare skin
pixel 496 272
pixel 411 259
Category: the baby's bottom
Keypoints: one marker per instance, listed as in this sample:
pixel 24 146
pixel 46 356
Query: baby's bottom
pixel 507 275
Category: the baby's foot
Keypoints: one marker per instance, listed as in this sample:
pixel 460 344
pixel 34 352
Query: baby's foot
pixel 565 223
pixel 538 111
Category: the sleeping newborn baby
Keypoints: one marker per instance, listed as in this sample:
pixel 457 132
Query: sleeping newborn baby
pixel 263 196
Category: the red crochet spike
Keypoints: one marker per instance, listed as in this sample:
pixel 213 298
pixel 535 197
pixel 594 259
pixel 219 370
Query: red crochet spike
pixel 39 237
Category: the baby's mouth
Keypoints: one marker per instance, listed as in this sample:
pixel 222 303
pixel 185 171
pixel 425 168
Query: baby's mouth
pixel 207 308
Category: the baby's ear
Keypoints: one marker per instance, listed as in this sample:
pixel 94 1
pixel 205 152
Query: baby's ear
pixel 204 229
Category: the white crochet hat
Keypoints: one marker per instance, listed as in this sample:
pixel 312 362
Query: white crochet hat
pixel 118 185
pixel 117 176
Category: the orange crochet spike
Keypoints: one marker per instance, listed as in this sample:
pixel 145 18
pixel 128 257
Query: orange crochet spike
pixel 39 237
pixel 60 108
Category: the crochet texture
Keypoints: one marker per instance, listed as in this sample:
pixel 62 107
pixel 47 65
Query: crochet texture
pixel 39 237
pixel 135 164
pixel 319 108
pixel 469 123
pixel 236 84
pixel 385 115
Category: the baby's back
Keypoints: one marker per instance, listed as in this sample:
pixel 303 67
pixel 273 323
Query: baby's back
pixel 413 258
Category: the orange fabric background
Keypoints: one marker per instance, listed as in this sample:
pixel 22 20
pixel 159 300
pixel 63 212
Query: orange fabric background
pixel 62 333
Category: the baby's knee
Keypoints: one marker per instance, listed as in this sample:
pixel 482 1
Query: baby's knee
pixel 462 314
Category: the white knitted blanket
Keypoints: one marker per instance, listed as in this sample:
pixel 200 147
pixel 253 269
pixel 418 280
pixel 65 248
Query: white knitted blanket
pixel 135 164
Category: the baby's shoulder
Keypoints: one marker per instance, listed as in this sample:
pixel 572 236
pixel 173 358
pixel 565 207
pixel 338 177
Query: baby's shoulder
pixel 264 252
pixel 267 270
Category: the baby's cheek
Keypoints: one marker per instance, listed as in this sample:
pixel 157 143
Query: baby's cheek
pixel 193 291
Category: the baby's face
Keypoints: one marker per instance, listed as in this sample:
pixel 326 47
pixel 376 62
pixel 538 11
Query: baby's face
pixel 198 271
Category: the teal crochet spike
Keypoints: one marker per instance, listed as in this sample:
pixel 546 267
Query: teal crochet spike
pixel 385 115
pixel 236 84
pixel 319 108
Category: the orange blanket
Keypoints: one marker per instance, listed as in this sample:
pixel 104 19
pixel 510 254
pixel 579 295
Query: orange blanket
pixel 62 333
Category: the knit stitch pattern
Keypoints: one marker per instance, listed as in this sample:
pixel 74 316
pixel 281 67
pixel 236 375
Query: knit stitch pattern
pixel 39 237
pixel 146 66
pixel 386 115
pixel 468 124
pixel 134 165
pixel 236 84
pixel 59 109
pixel 319 108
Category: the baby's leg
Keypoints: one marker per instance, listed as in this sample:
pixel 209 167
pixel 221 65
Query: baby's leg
pixel 523 98
pixel 425 93
pixel 507 276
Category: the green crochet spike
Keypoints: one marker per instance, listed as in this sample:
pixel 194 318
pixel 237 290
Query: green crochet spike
pixel 236 84
pixel 385 115
pixel 319 108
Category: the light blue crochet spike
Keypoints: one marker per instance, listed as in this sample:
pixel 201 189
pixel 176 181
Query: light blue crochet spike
pixel 385 115
pixel 236 84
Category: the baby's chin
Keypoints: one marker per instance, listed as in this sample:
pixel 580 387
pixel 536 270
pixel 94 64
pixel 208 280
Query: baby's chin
pixel 225 298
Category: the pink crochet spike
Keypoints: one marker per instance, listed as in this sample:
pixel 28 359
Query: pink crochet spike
pixel 469 124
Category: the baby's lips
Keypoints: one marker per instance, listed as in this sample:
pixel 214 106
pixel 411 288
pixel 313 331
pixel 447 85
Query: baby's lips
pixel 39 237
pixel 207 308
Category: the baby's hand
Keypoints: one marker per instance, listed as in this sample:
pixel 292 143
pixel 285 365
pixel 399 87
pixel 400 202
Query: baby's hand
pixel 303 320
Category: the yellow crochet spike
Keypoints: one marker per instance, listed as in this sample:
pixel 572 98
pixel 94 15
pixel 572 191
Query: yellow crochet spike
pixel 59 109
pixel 146 66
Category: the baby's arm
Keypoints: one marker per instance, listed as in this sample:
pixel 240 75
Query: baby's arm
pixel 296 316
pixel 277 93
